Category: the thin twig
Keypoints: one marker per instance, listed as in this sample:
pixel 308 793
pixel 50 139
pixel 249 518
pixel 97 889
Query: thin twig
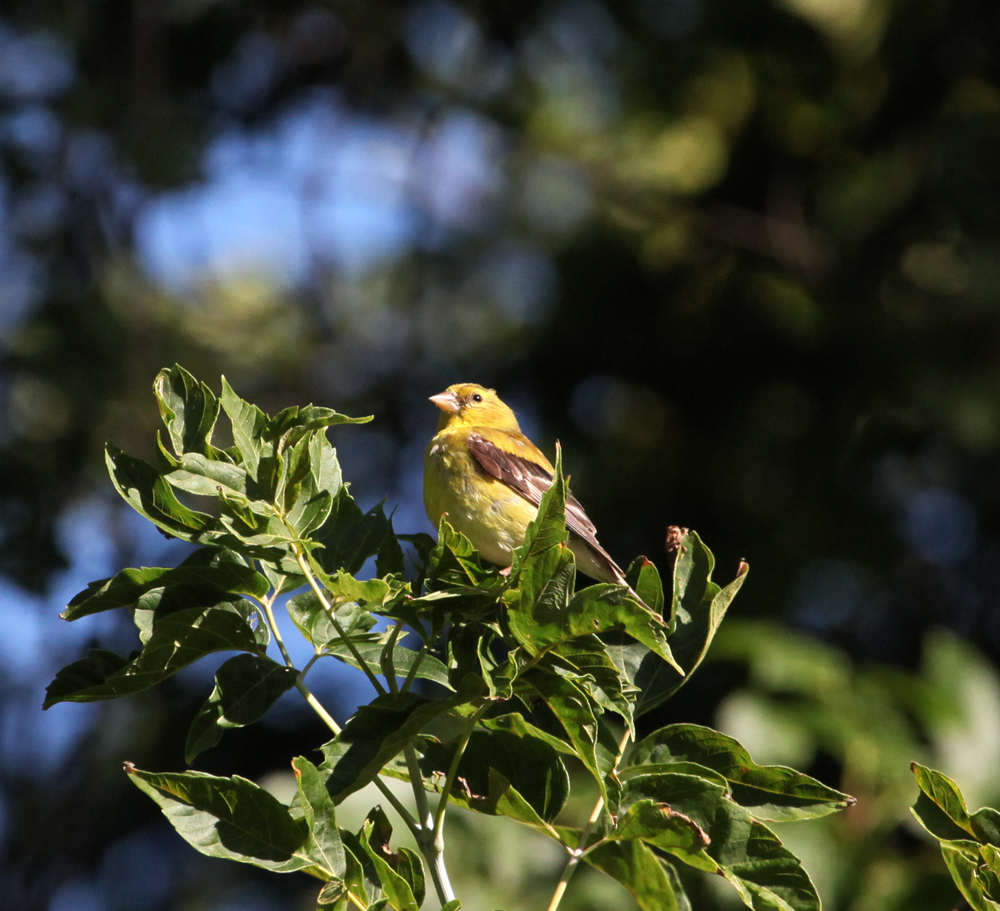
pixel 578 852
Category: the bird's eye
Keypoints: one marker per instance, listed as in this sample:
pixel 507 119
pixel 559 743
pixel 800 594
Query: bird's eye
pixel 477 397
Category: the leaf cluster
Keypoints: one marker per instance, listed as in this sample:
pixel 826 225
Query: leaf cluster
pixel 970 842
pixel 489 686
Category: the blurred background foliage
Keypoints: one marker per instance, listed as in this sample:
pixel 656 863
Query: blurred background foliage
pixel 742 259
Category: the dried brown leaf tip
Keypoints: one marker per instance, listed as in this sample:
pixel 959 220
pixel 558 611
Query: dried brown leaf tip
pixel 675 534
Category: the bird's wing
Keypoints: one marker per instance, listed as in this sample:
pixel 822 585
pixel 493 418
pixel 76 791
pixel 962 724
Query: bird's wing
pixel 531 479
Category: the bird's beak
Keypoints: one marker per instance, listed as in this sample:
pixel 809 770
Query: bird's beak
pixel 446 401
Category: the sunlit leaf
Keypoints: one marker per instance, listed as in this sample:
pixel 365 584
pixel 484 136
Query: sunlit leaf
pixel 229 817
pixel 176 641
pixel 644 578
pixel 189 410
pixel 639 870
pixel 313 620
pixel 197 474
pixel 941 809
pixel 149 494
pixel 374 735
pixel 454 563
pixel 323 846
pixel 770 792
pixel 249 424
pixel 375 841
pixel 657 824
pixel 215 569
pixel 548 528
pixel 699 606
pixel 965 866
pixel 765 873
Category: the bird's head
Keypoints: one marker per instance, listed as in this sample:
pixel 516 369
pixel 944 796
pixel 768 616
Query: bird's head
pixel 470 405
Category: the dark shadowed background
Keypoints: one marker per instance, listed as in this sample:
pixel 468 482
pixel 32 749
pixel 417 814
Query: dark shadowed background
pixel 741 259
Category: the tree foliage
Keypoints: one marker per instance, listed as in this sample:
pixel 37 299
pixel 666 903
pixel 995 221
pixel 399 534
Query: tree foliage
pixel 523 675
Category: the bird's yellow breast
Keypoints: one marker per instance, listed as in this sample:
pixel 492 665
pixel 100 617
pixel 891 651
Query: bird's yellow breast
pixel 490 514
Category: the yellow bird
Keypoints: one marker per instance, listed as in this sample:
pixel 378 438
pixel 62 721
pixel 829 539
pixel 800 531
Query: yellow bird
pixel 489 478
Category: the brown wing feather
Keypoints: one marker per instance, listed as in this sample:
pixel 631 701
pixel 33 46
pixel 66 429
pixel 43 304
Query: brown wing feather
pixel 531 480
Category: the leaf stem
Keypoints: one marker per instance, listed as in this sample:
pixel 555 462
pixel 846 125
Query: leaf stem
pixel 268 605
pixel 315 704
pixel 412 675
pixel 577 853
pixel 387 665
pixel 404 814
pixel 328 607
pixel 449 781
pixel 356 901
pixel 423 831
pixel 328 719
pixel 425 836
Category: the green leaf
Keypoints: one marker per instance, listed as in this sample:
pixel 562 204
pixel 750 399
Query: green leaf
pixel 770 792
pixel 85 674
pixel 349 536
pixel 657 824
pixel 217 570
pixel 303 499
pixel 765 874
pixel 638 869
pixel 359 882
pixel 698 608
pixel 574 712
pixel 372 593
pixel 603 607
pixel 516 723
pixel 506 800
pixel 644 578
pixel 965 864
pixel 323 846
pixel 411 869
pixel 403 660
pixel 197 474
pixel 548 529
pixel 149 494
pixel 189 410
pixel 249 425
pixel 246 686
pixel 454 564
pixel 586 661
pixel 314 622
pixel 176 641
pixel 389 560
pixel 229 817
pixel 770 876
pixel 941 810
pixel 375 836
pixel 377 732
pixel 537 607
pixel 528 764
pixel 122 590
